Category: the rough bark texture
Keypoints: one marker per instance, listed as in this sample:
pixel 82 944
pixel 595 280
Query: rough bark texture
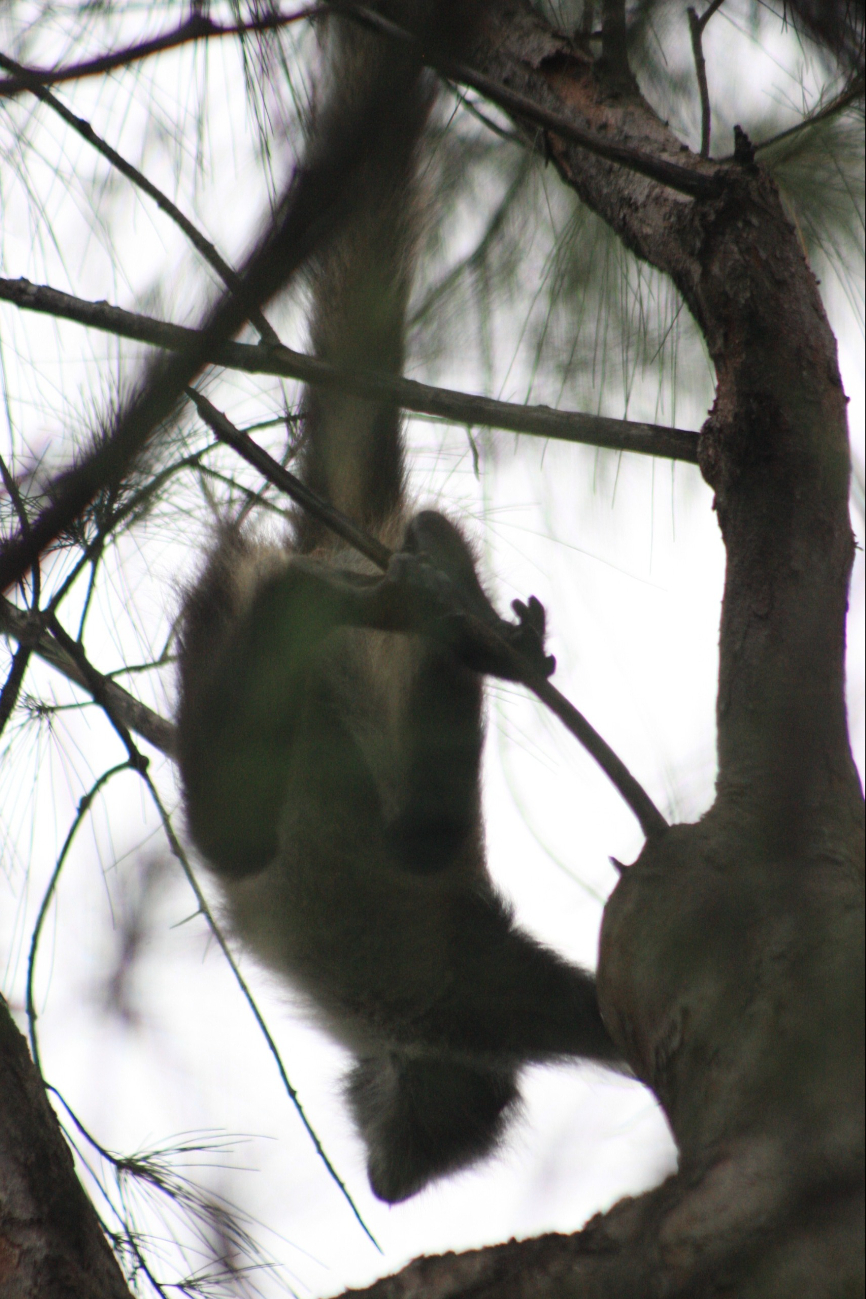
pixel 51 1243
pixel 731 955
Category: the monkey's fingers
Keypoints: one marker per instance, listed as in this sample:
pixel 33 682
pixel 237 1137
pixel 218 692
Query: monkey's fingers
pixel 528 637
pixel 532 613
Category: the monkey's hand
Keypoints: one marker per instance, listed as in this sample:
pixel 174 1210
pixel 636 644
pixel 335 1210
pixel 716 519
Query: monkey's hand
pixel 528 635
pixel 434 591
pixel 453 609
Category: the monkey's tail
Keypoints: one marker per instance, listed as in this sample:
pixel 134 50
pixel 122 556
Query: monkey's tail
pixel 352 450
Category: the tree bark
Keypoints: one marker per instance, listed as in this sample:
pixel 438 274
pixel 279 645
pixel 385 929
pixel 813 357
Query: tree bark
pixel 730 967
pixel 52 1245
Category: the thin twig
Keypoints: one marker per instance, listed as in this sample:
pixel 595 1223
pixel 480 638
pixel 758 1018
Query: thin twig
pixel 632 792
pixel 701 72
pixel 321 194
pixel 127 1236
pixel 97 685
pixel 837 105
pixel 178 852
pixel 697 184
pixel 425 399
pixel 29 629
pixel 111 525
pixel 696 30
pixel 196 28
pixel 650 818
pixel 155 1169
pixel 286 481
pixel 202 245
pixel 83 807
pixel 12 685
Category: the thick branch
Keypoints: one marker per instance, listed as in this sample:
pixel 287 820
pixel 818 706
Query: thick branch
pixel 443 403
pixel 776 453
pixel 526 108
pixel 519 49
pixel 730 966
pixel 678 1240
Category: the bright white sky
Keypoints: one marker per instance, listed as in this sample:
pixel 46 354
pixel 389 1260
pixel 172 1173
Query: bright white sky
pixel 630 567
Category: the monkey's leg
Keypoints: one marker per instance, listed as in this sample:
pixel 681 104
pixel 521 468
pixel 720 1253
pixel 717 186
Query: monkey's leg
pixel 421 1118
pixel 486 993
pixel 246 680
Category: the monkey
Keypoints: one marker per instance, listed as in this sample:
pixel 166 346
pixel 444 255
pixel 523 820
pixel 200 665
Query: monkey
pixel 330 770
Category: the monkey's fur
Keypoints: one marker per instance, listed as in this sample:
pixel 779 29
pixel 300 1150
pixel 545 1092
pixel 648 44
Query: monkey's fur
pixel 331 773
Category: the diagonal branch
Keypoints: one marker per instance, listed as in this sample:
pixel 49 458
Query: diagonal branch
pixel 320 194
pixel 12 685
pixel 29 631
pixel 202 245
pixel 522 667
pixel 516 46
pixel 425 399
pixel 196 28
pixel 686 180
pixel 843 100
pixel 286 481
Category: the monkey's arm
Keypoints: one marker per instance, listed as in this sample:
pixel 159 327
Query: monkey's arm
pixel 431 587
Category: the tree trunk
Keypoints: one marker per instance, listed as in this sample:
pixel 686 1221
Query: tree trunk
pixel 730 968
